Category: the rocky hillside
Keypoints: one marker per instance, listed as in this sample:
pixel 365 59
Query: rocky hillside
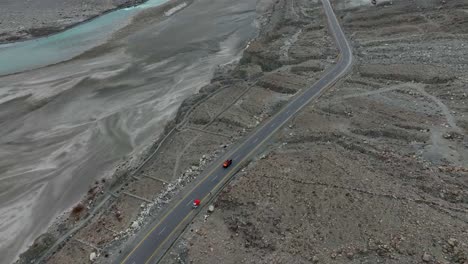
pixel 24 19
pixel 376 170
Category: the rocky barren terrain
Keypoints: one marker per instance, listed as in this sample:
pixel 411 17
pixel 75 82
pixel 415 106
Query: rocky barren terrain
pixel 237 100
pixel 376 170
pixel 25 19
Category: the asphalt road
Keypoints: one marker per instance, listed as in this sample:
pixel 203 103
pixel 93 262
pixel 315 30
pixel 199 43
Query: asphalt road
pixel 164 232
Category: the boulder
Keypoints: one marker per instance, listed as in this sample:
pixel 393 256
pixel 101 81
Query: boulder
pixel 92 256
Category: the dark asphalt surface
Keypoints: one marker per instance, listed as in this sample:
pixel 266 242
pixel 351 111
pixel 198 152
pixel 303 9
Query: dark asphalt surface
pixel 152 247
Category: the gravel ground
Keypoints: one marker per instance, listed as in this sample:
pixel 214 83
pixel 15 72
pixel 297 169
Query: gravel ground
pixel 375 171
pixel 221 113
pixel 24 19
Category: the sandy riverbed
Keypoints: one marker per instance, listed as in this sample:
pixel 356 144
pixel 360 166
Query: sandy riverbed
pixel 67 125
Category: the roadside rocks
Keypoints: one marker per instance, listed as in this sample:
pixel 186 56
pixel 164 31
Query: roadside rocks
pixel 92 256
pixel 452 242
pixel 164 197
pixel 211 208
pixel 453 136
pixel 426 257
pixel 135 225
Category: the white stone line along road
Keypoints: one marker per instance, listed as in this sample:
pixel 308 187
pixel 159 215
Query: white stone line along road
pixel 152 244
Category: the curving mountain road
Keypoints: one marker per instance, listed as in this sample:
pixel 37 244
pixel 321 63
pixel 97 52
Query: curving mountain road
pixel 163 233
